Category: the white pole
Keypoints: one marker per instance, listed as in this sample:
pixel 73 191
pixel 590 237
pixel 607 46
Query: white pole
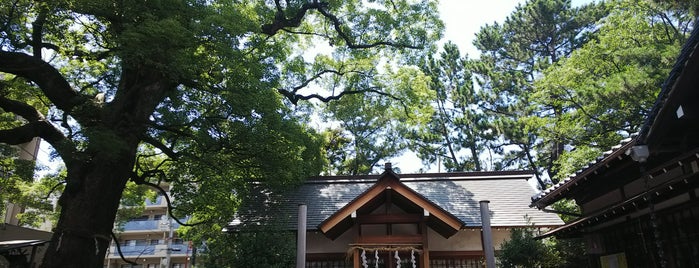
pixel 487 235
pixel 301 238
pixel 169 243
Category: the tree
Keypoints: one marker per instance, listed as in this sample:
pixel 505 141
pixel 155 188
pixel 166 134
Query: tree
pixel 188 92
pixel 374 125
pixel 256 241
pixel 458 132
pixel 523 250
pixel 514 54
pixel 606 88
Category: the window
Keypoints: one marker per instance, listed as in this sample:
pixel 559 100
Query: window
pixel 156 242
pixel 141 218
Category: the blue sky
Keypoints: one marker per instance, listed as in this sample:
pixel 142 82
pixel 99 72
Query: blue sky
pixel 463 18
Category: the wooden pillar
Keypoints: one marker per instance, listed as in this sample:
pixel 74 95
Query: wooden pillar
pixel 355 256
pixel 425 259
pixel 487 235
pixel 301 237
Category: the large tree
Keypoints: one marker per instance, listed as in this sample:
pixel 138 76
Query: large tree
pixel 514 54
pixel 188 92
pixel 458 134
pixel 605 89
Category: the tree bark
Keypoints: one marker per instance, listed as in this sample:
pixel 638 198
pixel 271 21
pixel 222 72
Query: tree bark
pixel 82 234
pixel 97 175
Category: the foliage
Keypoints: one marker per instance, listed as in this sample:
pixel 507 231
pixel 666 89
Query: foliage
pixel 627 62
pixel 373 126
pixel 567 206
pixel 458 132
pixel 514 54
pixel 259 246
pixel 193 93
pixel 257 236
pixel 522 250
pixel 571 251
pixel 13 173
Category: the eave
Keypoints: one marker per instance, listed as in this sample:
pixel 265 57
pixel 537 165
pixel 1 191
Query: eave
pixel 559 190
pixel 443 222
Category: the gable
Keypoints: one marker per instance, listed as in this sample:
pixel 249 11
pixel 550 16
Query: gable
pixel 388 187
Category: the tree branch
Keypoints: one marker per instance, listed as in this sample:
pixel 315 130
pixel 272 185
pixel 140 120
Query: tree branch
pixel 350 43
pixel 281 22
pixel 121 254
pixel 27 132
pixel 20 108
pixel 169 204
pixel 173 129
pixel 162 147
pixel 54 188
pixel 49 80
pixel 37 33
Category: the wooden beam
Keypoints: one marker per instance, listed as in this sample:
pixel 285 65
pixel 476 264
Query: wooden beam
pixel 390 239
pixel 460 254
pixel 388 218
pixel 346 211
pixel 434 211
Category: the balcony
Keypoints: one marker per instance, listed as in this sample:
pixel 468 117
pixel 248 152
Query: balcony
pixel 142 225
pixel 151 225
pixel 135 250
pixel 149 251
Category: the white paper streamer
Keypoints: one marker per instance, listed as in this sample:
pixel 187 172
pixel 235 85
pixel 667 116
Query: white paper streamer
pixel 376 255
pixel 397 260
pixel 412 258
pixel 364 263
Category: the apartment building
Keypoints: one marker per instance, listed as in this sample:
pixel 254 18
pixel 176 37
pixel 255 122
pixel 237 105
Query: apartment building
pixel 150 241
pixel 26 151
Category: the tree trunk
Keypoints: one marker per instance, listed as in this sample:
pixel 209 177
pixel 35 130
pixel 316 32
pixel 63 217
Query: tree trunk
pixel 88 210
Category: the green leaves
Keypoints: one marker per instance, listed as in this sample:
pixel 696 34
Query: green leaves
pixel 514 55
pixel 456 133
pixel 522 250
pixel 605 88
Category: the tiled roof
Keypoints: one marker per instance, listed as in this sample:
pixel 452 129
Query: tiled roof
pixel 616 151
pixel 457 193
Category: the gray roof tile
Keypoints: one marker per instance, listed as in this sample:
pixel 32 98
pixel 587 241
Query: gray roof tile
pixel 509 198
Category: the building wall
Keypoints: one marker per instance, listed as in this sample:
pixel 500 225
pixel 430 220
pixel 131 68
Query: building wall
pixel 26 151
pixel 464 240
pixel 145 240
pixel 316 242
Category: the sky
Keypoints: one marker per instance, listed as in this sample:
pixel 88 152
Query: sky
pixel 463 18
